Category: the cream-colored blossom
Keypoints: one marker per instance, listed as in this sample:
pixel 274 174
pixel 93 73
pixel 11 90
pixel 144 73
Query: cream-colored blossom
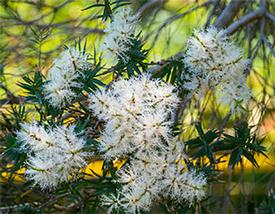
pixel 119 33
pixel 137 114
pixel 215 63
pixel 62 77
pixel 55 155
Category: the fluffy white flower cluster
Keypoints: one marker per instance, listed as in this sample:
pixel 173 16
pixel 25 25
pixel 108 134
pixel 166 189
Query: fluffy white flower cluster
pixel 137 115
pixel 63 76
pixel 54 155
pixel 216 63
pixel 119 33
pixel 138 127
pixel 153 178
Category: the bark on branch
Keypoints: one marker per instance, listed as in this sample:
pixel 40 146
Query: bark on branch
pixel 228 14
pixel 244 20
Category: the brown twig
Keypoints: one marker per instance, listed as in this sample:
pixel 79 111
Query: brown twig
pixel 228 14
pixel 244 20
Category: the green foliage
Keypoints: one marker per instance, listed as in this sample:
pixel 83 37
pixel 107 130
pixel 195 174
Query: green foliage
pixel 108 7
pixel 137 55
pixel 203 145
pixel 170 71
pixel 34 88
pixel 268 204
pixel 243 144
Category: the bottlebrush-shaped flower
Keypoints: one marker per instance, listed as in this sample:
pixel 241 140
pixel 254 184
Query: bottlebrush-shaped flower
pixel 55 155
pixel 119 33
pixel 63 75
pixel 216 63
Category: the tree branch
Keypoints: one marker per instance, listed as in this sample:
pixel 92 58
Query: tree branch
pixel 228 14
pixel 245 20
pixel 270 16
pixel 215 6
pixel 179 16
pixel 147 6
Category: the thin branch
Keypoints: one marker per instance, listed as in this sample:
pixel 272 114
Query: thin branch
pixel 228 14
pixel 270 16
pixel 215 6
pixel 148 5
pixel 245 20
pixel 174 18
pixel 268 44
pixel 179 16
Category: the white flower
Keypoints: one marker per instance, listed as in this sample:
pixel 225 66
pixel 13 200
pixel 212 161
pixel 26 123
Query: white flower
pixel 234 93
pixel 35 138
pixel 72 157
pixel 43 171
pixel 151 177
pixel 55 155
pixel 137 199
pixel 147 179
pixel 215 63
pixel 112 201
pixel 119 33
pixel 63 76
pixel 127 175
pixel 189 186
pixel 137 114
pixel 156 126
